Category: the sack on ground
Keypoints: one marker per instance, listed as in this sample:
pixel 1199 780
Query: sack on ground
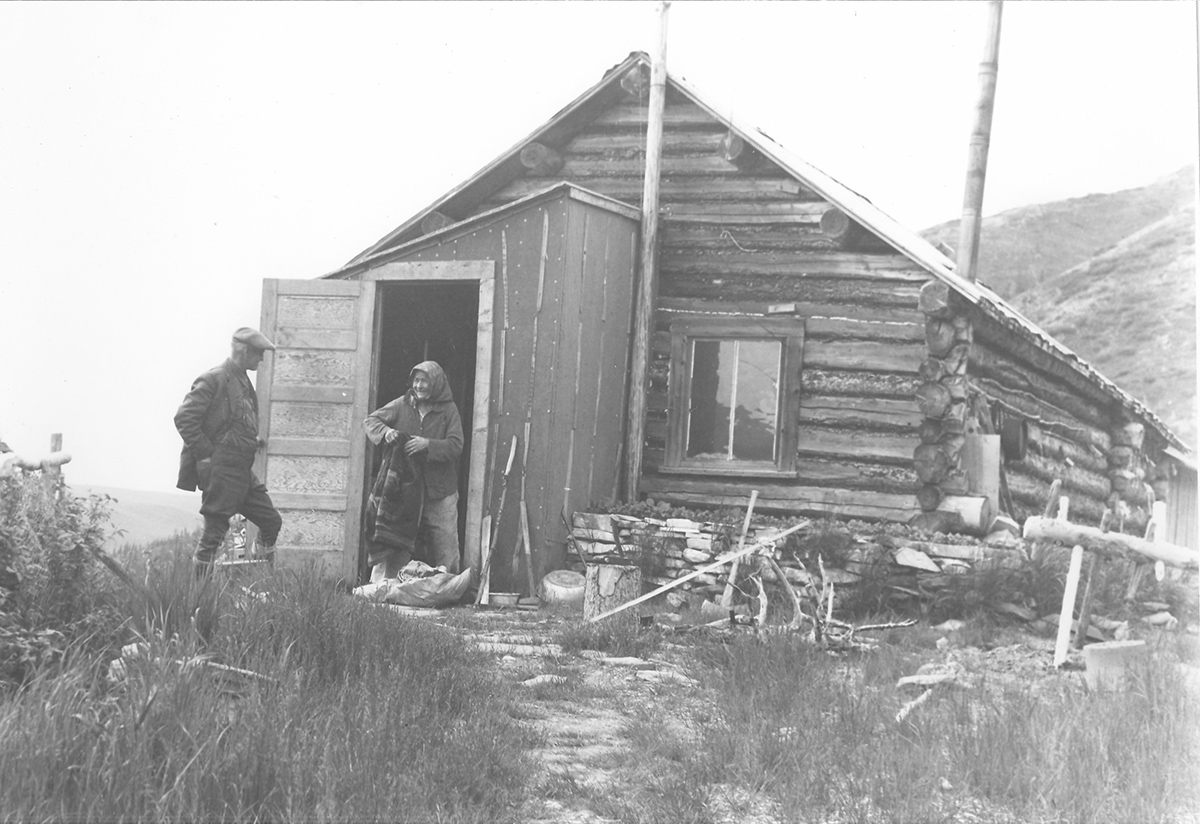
pixel 418 585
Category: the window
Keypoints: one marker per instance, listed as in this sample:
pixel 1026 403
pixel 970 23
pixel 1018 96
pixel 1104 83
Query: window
pixel 733 396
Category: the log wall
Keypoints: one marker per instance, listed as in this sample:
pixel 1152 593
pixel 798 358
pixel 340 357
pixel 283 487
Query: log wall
pixel 1076 433
pixel 739 236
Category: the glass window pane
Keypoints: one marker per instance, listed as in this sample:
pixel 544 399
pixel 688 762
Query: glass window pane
pixel 742 375
pixel 756 416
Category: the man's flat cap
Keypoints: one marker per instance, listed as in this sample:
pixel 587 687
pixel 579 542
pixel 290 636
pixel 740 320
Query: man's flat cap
pixel 253 337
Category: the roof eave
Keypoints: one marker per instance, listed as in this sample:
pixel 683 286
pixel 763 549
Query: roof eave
pixel 498 166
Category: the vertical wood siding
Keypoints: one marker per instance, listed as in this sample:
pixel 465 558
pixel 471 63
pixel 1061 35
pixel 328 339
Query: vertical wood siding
pixel 564 364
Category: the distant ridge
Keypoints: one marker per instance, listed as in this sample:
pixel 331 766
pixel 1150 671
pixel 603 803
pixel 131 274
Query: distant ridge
pixel 147 516
pixel 1113 277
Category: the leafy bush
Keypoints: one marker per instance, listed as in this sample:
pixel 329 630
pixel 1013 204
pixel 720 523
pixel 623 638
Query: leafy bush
pixel 51 590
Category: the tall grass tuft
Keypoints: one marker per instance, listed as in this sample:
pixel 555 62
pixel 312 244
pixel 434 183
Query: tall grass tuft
pixel 360 715
pixel 819 736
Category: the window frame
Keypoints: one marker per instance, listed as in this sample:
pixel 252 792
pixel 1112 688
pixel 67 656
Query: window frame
pixel 790 334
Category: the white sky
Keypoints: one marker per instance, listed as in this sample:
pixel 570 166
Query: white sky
pixel 157 160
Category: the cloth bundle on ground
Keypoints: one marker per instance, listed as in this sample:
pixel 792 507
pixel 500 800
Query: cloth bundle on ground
pixel 418 585
pixel 393 512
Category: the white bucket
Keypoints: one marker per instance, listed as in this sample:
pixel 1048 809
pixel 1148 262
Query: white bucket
pixel 1109 665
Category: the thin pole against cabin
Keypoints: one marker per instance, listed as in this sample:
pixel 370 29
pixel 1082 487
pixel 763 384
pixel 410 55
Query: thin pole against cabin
pixel 647 285
pixel 977 151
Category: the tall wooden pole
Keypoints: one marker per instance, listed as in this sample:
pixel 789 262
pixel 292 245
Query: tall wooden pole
pixel 648 284
pixel 977 152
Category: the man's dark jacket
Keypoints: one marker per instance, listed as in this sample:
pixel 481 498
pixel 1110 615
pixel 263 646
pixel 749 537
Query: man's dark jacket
pixel 219 411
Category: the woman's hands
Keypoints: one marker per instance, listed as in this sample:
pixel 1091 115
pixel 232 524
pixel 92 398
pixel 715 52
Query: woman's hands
pixel 412 446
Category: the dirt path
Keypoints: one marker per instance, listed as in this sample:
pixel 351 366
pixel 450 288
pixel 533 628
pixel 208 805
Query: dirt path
pixel 581 706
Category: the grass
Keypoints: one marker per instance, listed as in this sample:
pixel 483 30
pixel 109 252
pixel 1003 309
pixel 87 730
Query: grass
pixel 366 716
pixel 816 737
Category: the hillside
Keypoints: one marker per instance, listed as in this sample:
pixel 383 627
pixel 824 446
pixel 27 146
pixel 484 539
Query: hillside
pixel 1019 248
pixel 147 516
pixel 1113 277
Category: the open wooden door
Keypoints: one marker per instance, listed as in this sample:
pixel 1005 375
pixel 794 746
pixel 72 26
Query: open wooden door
pixel 313 393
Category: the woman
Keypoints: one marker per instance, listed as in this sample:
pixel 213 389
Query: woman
pixel 413 508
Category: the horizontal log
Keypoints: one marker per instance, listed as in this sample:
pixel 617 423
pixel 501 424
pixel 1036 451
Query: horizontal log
pixel 629 189
pixel 856 473
pixel 1074 478
pixel 631 145
pixel 574 168
pixel 903 358
pixel 675 116
pixel 779 498
pixel 825 327
pixel 799 264
pixel 715 238
pixel 838 410
pixel 779 225
pixel 819 381
pixel 883 447
pixel 1043 414
pixel 988 362
pixel 1069 534
pixel 810 210
pixel 1001 338
pixel 779 288
pixel 908 321
pixel 1031 492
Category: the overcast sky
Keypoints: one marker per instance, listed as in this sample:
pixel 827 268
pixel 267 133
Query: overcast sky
pixel 158 160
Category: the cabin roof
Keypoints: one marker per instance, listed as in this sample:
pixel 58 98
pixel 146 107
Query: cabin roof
pixel 552 191
pixel 506 167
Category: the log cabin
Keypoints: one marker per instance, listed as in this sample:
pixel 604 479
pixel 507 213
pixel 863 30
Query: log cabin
pixel 801 343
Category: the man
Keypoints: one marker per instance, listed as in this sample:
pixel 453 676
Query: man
pixel 427 422
pixel 218 421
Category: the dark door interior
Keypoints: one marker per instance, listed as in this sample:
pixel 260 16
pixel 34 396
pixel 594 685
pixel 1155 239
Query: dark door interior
pixel 436 321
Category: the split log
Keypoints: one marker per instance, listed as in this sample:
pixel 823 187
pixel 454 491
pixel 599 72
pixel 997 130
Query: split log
pixel 540 159
pixel 931 463
pixel 956 482
pixel 930 430
pixel 607 586
pixel 928 497
pixel 935 299
pixel 636 83
pixel 934 400
pixel 939 336
pixel 737 151
pixel 1122 457
pixel 1132 435
pixel 435 221
pixel 835 224
pixel 975 511
pixel 1045 529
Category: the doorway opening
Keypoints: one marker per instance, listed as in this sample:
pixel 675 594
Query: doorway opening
pixel 428 320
